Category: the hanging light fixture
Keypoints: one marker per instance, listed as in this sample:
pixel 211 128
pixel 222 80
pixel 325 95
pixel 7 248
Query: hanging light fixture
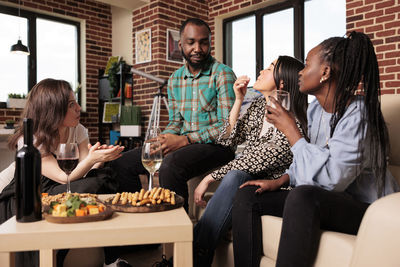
pixel 19 48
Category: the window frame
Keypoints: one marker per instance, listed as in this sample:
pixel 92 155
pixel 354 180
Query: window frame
pixel 31 43
pixel 298 20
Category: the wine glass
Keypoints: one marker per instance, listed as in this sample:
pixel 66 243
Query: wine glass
pixel 68 158
pixel 151 157
pixel 283 97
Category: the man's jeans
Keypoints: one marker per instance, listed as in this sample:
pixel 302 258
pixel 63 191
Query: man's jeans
pixel 217 218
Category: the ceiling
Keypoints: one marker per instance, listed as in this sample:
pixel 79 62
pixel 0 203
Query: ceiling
pixel 126 4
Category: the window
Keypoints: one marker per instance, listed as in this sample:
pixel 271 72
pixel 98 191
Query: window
pixel 243 48
pixel 54 47
pixel 277 35
pixel 318 25
pixel 13 68
pixel 253 40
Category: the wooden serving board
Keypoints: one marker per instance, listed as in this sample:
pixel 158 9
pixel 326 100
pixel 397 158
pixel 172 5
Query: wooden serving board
pixel 146 208
pixel 106 214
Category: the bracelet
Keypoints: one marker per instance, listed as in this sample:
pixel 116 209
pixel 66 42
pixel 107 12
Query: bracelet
pixel 189 141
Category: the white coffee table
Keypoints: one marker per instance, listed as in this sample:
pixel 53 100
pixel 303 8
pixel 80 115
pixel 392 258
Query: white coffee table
pixel 172 226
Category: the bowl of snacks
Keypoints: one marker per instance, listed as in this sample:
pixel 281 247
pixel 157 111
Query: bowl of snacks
pixel 157 199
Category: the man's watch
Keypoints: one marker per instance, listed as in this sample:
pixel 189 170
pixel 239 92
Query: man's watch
pixel 189 141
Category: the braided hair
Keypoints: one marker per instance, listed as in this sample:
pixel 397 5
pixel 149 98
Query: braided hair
pixel 355 69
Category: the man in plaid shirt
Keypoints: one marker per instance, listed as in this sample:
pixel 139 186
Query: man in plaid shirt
pixel 200 95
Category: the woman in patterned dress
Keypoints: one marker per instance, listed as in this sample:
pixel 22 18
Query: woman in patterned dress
pixel 258 159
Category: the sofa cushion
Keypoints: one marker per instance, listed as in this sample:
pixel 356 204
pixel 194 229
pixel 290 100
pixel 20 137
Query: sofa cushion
pixel 335 249
pixel 342 244
pixel 391 110
pixel 378 239
pixel 271 232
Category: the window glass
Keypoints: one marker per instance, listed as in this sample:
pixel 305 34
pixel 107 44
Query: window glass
pixel 13 67
pixel 57 51
pixel 323 19
pixel 278 35
pixel 244 48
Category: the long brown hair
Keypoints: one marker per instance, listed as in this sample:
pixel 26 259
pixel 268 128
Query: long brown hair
pixel 47 106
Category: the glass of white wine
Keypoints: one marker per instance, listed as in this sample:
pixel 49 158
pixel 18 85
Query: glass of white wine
pixel 68 158
pixel 283 97
pixel 152 155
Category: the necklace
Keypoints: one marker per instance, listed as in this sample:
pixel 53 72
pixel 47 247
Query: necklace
pixel 327 129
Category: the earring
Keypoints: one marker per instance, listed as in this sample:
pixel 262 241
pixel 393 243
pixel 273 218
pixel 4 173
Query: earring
pixel 321 80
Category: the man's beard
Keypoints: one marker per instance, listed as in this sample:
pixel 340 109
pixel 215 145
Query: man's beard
pixel 198 65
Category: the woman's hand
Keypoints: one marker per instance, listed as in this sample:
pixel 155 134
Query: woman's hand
pixel 201 190
pixel 283 120
pixel 268 185
pixel 104 153
pixel 240 87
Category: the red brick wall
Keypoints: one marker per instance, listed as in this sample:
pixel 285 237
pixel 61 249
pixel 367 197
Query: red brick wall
pixel 98 49
pixel 380 19
pixel 159 16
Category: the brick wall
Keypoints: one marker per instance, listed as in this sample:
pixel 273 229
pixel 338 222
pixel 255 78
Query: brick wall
pixel 159 16
pixel 98 48
pixel 380 19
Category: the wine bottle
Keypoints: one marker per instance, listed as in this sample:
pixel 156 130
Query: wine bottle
pixel 27 184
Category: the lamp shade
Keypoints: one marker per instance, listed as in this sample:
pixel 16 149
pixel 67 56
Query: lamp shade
pixel 19 48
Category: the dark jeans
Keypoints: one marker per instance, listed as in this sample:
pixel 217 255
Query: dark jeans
pixel 216 219
pixel 305 211
pixel 176 168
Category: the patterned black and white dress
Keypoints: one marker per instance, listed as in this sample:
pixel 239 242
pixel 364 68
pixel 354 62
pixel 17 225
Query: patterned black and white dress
pixel 258 158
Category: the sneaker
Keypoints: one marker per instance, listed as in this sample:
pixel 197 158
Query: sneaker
pixel 164 262
pixel 118 263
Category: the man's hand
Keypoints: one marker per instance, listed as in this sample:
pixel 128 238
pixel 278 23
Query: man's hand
pixel 268 185
pixel 171 142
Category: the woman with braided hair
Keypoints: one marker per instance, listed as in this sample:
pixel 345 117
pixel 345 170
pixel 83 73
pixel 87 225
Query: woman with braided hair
pixel 334 175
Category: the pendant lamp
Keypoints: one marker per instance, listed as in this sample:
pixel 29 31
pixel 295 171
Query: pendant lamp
pixel 19 48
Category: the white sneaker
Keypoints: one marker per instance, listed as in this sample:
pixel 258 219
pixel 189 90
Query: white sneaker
pixel 118 263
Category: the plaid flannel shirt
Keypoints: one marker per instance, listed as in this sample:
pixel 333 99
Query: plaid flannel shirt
pixel 199 105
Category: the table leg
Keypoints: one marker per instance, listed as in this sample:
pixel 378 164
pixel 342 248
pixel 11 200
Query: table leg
pixel 183 254
pixel 47 258
pixel 168 250
pixel 7 259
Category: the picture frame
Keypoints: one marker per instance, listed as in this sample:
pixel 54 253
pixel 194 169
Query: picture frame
pixel 112 111
pixel 173 52
pixel 143 46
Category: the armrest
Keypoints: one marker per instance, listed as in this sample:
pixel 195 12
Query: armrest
pixel 378 238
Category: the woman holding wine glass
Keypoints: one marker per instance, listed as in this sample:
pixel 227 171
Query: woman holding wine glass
pixel 334 175
pixel 259 159
pixel 55 114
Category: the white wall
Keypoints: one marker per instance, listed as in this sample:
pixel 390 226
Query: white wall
pixel 122 44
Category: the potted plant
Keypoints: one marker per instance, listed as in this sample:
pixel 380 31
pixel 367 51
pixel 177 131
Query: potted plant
pixel 113 76
pixel 10 124
pixel 16 100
